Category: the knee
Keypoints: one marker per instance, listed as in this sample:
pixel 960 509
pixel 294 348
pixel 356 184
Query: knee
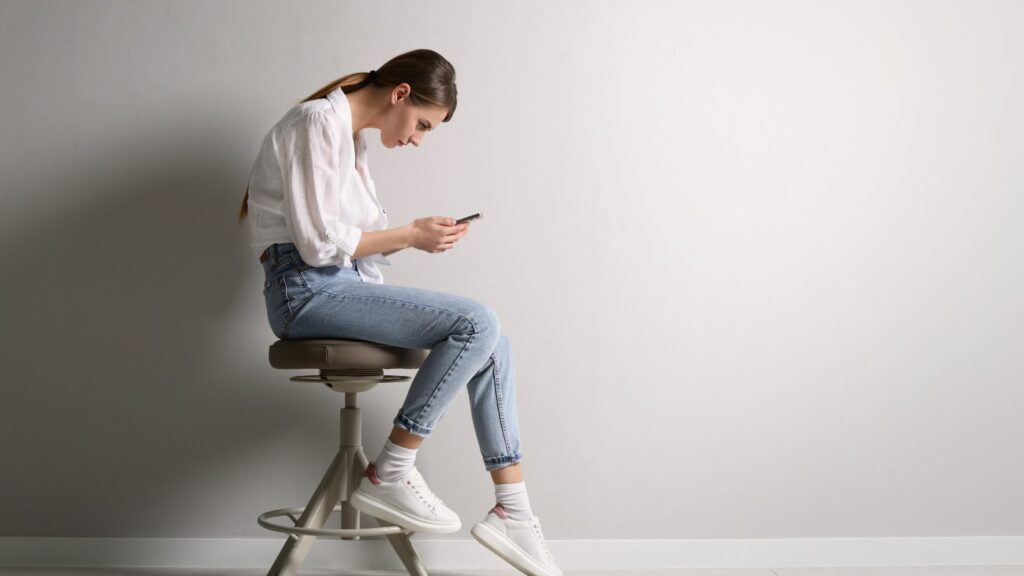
pixel 484 319
pixel 503 350
pixel 503 343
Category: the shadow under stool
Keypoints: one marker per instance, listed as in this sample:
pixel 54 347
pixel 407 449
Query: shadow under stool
pixel 350 367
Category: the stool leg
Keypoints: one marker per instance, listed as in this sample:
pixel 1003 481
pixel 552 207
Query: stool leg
pixel 314 515
pixel 400 542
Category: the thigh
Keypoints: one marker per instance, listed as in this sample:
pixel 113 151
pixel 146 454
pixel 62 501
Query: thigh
pixel 395 315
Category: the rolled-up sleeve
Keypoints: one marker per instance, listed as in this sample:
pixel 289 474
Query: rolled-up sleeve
pixel 313 154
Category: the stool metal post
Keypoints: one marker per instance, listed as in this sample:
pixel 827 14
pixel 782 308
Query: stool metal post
pixel 351 442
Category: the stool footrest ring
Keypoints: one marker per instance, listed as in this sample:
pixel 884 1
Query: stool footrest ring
pixel 294 531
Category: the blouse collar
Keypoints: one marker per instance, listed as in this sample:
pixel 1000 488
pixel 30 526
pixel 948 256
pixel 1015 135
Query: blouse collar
pixel 340 103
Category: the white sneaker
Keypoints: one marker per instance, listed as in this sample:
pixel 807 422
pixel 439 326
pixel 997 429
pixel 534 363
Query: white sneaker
pixel 518 542
pixel 407 502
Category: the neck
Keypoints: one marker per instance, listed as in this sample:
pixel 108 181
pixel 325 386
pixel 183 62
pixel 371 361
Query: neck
pixel 366 108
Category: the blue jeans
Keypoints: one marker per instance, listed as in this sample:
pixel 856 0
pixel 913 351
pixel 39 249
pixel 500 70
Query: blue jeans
pixel 464 336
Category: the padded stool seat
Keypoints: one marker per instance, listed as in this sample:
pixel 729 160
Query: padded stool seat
pixel 323 354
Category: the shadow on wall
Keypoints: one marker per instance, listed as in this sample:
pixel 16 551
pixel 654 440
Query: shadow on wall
pixel 123 331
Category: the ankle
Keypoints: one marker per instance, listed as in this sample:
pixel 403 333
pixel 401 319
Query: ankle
pixel 394 461
pixel 405 439
pixel 513 499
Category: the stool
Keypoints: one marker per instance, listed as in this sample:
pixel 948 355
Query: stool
pixel 351 367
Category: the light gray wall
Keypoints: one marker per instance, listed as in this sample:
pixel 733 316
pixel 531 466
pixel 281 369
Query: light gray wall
pixel 759 261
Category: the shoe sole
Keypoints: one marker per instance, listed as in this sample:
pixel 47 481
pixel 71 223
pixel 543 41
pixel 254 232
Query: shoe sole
pixel 379 509
pixel 508 550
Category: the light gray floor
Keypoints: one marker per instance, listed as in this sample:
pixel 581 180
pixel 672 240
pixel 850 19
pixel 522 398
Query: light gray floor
pixel 872 571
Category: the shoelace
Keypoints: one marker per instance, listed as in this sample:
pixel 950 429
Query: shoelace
pixel 419 487
pixel 540 535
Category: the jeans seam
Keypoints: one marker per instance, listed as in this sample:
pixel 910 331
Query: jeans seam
pixel 414 304
pixel 497 397
pixel 290 315
pixel 447 373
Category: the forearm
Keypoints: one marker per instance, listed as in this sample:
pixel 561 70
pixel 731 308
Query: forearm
pixel 383 241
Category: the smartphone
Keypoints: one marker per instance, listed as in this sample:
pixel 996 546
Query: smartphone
pixel 469 218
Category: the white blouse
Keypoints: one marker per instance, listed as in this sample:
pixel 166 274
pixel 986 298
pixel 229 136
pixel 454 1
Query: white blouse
pixel 310 186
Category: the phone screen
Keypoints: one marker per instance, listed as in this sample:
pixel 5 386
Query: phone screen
pixel 468 218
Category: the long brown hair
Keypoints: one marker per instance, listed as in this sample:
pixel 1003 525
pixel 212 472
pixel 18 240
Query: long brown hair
pixel 430 77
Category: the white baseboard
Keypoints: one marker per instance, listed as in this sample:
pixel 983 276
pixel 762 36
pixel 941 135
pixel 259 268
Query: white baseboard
pixel 571 554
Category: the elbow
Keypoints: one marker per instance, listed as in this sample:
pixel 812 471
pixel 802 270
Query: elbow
pixel 347 242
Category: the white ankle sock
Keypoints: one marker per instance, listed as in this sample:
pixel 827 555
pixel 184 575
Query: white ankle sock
pixel 394 461
pixel 514 500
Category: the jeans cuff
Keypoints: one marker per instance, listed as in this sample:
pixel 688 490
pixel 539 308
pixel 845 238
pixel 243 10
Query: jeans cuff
pixel 495 462
pixel 402 422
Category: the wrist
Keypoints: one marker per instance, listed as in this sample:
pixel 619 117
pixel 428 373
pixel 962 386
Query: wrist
pixel 407 232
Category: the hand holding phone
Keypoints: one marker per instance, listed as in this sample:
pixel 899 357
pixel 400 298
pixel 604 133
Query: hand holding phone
pixel 433 234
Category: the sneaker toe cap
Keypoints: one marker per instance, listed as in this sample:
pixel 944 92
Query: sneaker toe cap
pixel 447 515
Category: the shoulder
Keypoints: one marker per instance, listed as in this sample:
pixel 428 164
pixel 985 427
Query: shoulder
pixel 320 105
pixel 315 116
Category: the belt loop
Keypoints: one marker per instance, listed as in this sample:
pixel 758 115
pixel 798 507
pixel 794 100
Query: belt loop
pixel 272 255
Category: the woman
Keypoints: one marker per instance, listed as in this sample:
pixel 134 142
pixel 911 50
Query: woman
pixel 321 233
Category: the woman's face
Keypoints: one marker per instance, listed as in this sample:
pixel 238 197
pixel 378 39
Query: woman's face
pixel 406 123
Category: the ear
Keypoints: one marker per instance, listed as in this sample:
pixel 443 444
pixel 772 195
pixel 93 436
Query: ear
pixel 400 92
